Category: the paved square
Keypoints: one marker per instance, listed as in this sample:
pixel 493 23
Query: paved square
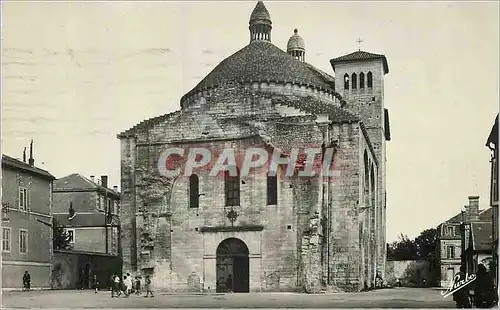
pixel 387 298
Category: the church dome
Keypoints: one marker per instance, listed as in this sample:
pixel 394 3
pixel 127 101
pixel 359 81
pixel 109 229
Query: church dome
pixel 295 42
pixel 260 14
pixel 261 61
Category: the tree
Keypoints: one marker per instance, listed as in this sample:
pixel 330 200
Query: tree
pixel 60 238
pixel 404 249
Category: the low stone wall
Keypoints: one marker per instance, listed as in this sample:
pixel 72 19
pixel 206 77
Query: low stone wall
pixel 410 272
pixel 12 275
pixel 69 267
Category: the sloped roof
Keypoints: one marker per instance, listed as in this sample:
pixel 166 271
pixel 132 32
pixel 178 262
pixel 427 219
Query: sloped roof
pixel 482 236
pixel 149 122
pixel 260 13
pixel 360 55
pixel 317 107
pixel 493 137
pixel 486 215
pixel 76 182
pixel 261 61
pixel 13 163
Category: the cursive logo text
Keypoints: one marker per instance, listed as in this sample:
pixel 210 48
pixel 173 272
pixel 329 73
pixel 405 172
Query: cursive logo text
pixel 458 283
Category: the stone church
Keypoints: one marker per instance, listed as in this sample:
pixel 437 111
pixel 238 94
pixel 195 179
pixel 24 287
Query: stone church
pixel 262 231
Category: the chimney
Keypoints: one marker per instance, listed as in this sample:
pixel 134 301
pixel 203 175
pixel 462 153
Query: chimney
pixel 24 155
pixel 31 160
pixel 104 181
pixel 115 188
pixel 473 209
pixel 92 178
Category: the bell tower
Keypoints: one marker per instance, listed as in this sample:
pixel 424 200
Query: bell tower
pixel 359 78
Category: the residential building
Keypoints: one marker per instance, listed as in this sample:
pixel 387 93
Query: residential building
pixel 449 244
pixel 89 211
pixel 94 222
pixel 477 236
pixel 450 239
pixel 26 220
pixel 492 144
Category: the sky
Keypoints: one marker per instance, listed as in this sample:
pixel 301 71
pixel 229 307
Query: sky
pixel 75 74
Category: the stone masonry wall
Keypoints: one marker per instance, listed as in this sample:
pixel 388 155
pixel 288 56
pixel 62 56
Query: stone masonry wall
pixel 291 246
pixel 369 104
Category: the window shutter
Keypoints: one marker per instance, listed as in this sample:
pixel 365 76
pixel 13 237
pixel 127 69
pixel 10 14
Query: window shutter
pixel 20 199
pixel 28 200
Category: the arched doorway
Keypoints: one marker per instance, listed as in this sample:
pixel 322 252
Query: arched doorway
pixel 232 266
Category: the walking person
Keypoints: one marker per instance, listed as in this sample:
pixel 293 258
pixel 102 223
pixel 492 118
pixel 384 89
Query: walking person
pixel 147 287
pixel 461 297
pixel 116 286
pixel 95 283
pixel 138 285
pixel 26 281
pixel 129 284
pixel 483 288
pixel 124 287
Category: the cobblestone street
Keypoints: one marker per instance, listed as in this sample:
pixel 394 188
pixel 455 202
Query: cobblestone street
pixel 388 298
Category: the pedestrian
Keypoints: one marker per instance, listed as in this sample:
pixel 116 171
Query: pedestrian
pixel 461 296
pixel 398 282
pixel 229 283
pixel 138 285
pixel 483 288
pixel 129 284
pixel 116 286
pixel 95 282
pixel 26 281
pixel 147 287
pixel 124 287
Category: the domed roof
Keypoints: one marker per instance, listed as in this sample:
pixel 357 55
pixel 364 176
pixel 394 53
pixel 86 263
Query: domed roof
pixel 260 13
pixel 295 42
pixel 261 61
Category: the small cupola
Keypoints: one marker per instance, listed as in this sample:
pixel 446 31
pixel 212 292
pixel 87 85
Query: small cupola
pixel 296 46
pixel 260 23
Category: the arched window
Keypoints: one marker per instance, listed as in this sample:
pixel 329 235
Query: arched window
pixel 232 188
pixel 369 81
pixel 354 81
pixel 361 80
pixel 346 81
pixel 194 191
pixel 272 189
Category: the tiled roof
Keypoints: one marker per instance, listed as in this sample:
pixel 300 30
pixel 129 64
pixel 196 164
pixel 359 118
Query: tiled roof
pixel 295 42
pixel 360 55
pixel 260 12
pixel 83 220
pixel 486 215
pixel 18 164
pixel 482 236
pixel 493 137
pixel 261 61
pixel 317 107
pixel 77 182
pixel 149 122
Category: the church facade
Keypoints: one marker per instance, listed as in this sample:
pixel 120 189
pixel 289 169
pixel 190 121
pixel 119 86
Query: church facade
pixel 263 231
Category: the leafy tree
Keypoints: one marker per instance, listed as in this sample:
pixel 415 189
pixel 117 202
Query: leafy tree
pixel 403 249
pixel 60 238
